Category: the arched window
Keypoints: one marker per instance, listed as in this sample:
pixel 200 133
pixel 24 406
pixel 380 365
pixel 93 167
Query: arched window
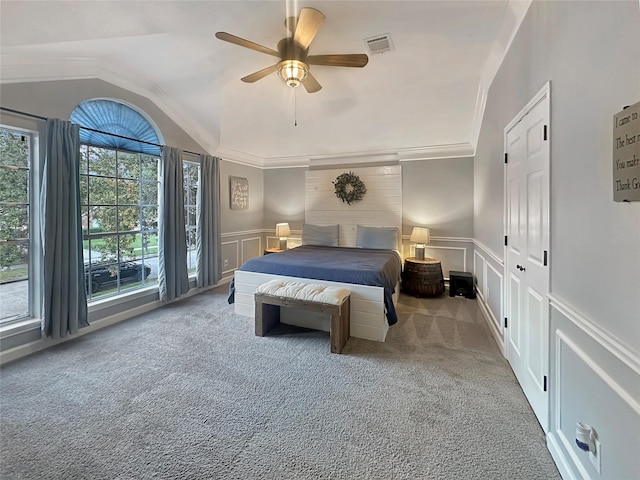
pixel 119 188
pixel 115 117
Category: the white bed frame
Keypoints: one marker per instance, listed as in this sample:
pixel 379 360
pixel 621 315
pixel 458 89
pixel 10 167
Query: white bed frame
pixel 381 206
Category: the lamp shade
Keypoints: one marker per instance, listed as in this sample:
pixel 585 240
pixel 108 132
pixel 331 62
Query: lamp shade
pixel 282 230
pixel 420 235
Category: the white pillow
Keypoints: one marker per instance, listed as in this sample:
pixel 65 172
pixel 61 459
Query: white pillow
pixel 377 237
pixel 323 235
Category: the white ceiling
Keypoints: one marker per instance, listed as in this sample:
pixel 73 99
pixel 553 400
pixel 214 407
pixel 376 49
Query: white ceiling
pixel 423 99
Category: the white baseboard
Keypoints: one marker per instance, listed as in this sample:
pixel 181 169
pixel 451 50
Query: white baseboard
pixel 558 457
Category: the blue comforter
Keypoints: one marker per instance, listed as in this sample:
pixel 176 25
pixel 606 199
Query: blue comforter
pixel 363 266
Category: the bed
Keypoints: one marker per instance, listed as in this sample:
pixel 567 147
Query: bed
pixel 371 274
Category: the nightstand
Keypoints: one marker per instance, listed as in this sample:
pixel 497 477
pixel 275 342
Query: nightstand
pixel 272 250
pixel 422 278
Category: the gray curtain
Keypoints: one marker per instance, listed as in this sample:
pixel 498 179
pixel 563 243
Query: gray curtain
pixel 208 244
pixel 65 297
pixel 173 275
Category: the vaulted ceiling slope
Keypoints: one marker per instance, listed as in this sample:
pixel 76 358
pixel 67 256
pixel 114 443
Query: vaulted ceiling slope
pixel 422 99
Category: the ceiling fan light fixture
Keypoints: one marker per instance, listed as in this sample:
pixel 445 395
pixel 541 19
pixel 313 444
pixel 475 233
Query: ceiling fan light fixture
pixel 293 72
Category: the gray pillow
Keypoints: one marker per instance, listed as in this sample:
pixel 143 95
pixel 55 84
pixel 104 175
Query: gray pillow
pixel 324 235
pixel 377 237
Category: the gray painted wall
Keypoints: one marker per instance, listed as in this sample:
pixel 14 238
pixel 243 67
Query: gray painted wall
pixel 589 51
pixel 438 194
pixel 239 220
pixel 284 197
pixel 435 193
pixel 57 99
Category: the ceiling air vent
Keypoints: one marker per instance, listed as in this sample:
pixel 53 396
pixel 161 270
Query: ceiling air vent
pixel 379 43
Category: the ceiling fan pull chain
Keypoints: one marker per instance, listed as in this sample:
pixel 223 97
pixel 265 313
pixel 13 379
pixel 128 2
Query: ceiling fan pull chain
pixel 295 108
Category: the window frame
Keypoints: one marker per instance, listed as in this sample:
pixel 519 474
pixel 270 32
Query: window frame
pixel 16 323
pixel 122 289
pixel 195 163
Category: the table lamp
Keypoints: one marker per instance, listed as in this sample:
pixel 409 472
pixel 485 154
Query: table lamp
pixel 420 236
pixel 283 231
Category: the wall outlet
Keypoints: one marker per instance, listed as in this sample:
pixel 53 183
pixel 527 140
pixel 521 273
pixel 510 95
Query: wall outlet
pixel 596 457
pixel 225 262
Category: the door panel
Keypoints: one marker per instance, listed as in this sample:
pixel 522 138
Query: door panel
pixel 527 227
pixel 535 211
pixel 513 332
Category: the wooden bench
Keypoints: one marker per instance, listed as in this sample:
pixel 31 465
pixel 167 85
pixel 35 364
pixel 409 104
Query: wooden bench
pixel 271 296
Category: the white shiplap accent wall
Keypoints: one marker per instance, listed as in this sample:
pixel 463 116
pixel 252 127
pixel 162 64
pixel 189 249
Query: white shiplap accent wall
pixel 380 207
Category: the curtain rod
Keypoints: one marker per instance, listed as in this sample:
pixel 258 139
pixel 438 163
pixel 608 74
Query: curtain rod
pixel 38 117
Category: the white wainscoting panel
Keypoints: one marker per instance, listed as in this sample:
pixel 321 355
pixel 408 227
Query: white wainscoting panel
pixel 380 207
pixel 591 384
pixel 480 273
pixel 230 255
pixel 451 258
pixel 494 294
pixel 488 268
pixel 251 248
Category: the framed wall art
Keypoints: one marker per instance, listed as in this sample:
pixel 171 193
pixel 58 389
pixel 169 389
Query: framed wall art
pixel 238 193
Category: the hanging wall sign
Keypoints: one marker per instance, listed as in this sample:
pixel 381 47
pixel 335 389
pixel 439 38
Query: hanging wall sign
pixel 238 193
pixel 626 155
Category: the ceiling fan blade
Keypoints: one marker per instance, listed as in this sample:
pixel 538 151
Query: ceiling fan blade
pixel 309 23
pixel 227 37
pixel 310 83
pixel 254 77
pixel 346 60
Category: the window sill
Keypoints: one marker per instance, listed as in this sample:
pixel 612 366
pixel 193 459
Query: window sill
pixel 101 304
pixel 17 328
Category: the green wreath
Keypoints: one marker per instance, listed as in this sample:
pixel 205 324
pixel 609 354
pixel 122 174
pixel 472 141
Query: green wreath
pixel 349 187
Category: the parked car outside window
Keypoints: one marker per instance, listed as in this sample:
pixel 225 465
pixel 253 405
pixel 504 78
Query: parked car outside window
pixel 101 275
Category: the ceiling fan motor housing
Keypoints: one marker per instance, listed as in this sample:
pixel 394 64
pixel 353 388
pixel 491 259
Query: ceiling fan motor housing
pixel 292 69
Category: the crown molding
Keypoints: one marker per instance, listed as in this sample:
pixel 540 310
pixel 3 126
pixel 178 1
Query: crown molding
pixel 25 69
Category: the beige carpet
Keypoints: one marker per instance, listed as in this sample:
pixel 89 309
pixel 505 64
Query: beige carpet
pixel 188 392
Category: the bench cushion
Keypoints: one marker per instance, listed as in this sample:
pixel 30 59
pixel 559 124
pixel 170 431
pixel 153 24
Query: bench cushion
pixel 309 292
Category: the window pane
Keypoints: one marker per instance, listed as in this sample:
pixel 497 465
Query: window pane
pixel 102 161
pixel 191 173
pixel 128 219
pixel 14 222
pixel 127 245
pixel 14 281
pixel 14 185
pixel 102 191
pixel 123 257
pixel 128 165
pixel 14 148
pixel 150 245
pixel 102 219
pixel 149 193
pixel 84 159
pixel 149 168
pixel 149 218
pixel 128 192
pixel 84 190
pixel 14 225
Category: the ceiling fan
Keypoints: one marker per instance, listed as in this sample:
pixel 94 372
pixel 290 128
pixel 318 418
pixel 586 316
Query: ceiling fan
pixel 294 63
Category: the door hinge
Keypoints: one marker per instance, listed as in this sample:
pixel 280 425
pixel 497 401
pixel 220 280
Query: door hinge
pixel 544 260
pixel 545 383
pixel 544 133
pixel 505 241
pixel 506 155
pixel 505 322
